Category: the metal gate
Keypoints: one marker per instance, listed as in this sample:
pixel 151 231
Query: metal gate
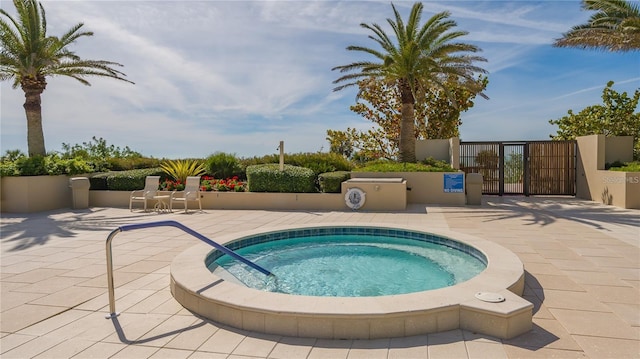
pixel 523 167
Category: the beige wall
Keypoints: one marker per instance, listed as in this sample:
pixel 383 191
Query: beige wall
pixel 27 194
pixel 234 200
pixel 619 148
pixel 422 187
pixel 275 201
pixel 443 150
pixel 379 196
pixel 593 182
pixel 43 193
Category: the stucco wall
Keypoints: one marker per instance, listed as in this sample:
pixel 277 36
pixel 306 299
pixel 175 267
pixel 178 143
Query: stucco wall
pixel 593 182
pixel 443 150
pixel 27 194
pixel 422 187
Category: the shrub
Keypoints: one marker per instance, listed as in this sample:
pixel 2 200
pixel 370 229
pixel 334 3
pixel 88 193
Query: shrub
pixel 8 163
pixel 31 166
pixel 319 162
pixel 130 180
pixel 269 178
pixel 98 181
pixel 104 157
pixel 54 165
pixel 626 167
pixel 8 169
pixel 180 170
pixel 223 165
pixel 331 182
pixel 131 163
pixel 390 166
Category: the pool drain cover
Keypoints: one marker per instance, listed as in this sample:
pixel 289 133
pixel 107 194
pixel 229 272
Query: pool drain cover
pixel 490 297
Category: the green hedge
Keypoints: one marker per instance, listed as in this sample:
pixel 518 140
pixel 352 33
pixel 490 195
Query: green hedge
pixel 428 165
pixel 331 182
pixel 223 165
pixel 50 165
pixel 98 181
pixel 318 162
pixel 123 180
pixel 269 178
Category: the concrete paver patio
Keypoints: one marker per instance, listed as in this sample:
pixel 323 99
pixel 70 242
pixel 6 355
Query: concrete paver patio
pixel 582 261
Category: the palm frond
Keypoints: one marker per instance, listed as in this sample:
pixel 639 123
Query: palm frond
pixel 615 27
pixel 28 52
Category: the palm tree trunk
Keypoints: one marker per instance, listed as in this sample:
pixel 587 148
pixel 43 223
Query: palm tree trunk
pixel 407 144
pixel 33 110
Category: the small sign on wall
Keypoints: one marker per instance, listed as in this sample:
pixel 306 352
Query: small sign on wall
pixel 453 182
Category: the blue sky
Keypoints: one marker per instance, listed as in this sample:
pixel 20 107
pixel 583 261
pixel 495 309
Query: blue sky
pixel 239 76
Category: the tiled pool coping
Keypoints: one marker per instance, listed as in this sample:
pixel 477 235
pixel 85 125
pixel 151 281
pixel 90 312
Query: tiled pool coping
pixel 202 292
pixel 346 231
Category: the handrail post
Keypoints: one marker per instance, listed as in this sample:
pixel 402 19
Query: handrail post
pixel 112 294
pixel 128 227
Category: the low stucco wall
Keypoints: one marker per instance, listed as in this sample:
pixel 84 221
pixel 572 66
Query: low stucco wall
pixel 275 201
pixel 387 197
pixel 422 187
pixel 28 194
pixel 593 182
pixel 620 189
pixel 235 200
pixel 379 195
pixel 443 150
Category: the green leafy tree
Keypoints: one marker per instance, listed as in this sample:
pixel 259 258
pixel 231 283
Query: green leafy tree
pixel 615 26
pixel 97 148
pixel 437 115
pixel 416 59
pixel 29 55
pixel 617 116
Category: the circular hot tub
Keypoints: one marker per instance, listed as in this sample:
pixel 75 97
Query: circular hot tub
pixel 354 261
pixel 220 296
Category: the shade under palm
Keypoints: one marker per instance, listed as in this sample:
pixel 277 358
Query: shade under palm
pixel 422 57
pixel 28 56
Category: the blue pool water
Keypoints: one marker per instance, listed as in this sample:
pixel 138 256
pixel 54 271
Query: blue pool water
pixel 352 265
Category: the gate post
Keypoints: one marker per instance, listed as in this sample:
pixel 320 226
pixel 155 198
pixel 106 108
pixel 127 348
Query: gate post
pixel 501 169
pixel 526 170
pixel 473 185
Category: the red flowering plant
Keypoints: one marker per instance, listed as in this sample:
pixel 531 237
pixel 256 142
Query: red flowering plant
pixel 233 184
pixel 171 185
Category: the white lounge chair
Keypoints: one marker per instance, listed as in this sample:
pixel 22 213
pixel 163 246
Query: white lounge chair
pixel 191 193
pixel 149 193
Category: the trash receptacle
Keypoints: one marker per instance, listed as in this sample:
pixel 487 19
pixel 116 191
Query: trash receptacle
pixel 474 188
pixel 79 192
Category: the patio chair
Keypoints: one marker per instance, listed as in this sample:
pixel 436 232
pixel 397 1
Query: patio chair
pixel 149 193
pixel 191 193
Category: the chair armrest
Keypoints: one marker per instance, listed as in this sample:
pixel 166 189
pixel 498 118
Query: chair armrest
pixel 141 191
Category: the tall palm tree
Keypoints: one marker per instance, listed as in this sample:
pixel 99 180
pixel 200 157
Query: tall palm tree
pixel 28 55
pixel 422 57
pixel 615 27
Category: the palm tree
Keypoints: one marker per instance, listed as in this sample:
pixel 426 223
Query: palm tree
pixel 424 57
pixel 615 27
pixel 29 55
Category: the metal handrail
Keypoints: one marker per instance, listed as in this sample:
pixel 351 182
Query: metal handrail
pixel 129 227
